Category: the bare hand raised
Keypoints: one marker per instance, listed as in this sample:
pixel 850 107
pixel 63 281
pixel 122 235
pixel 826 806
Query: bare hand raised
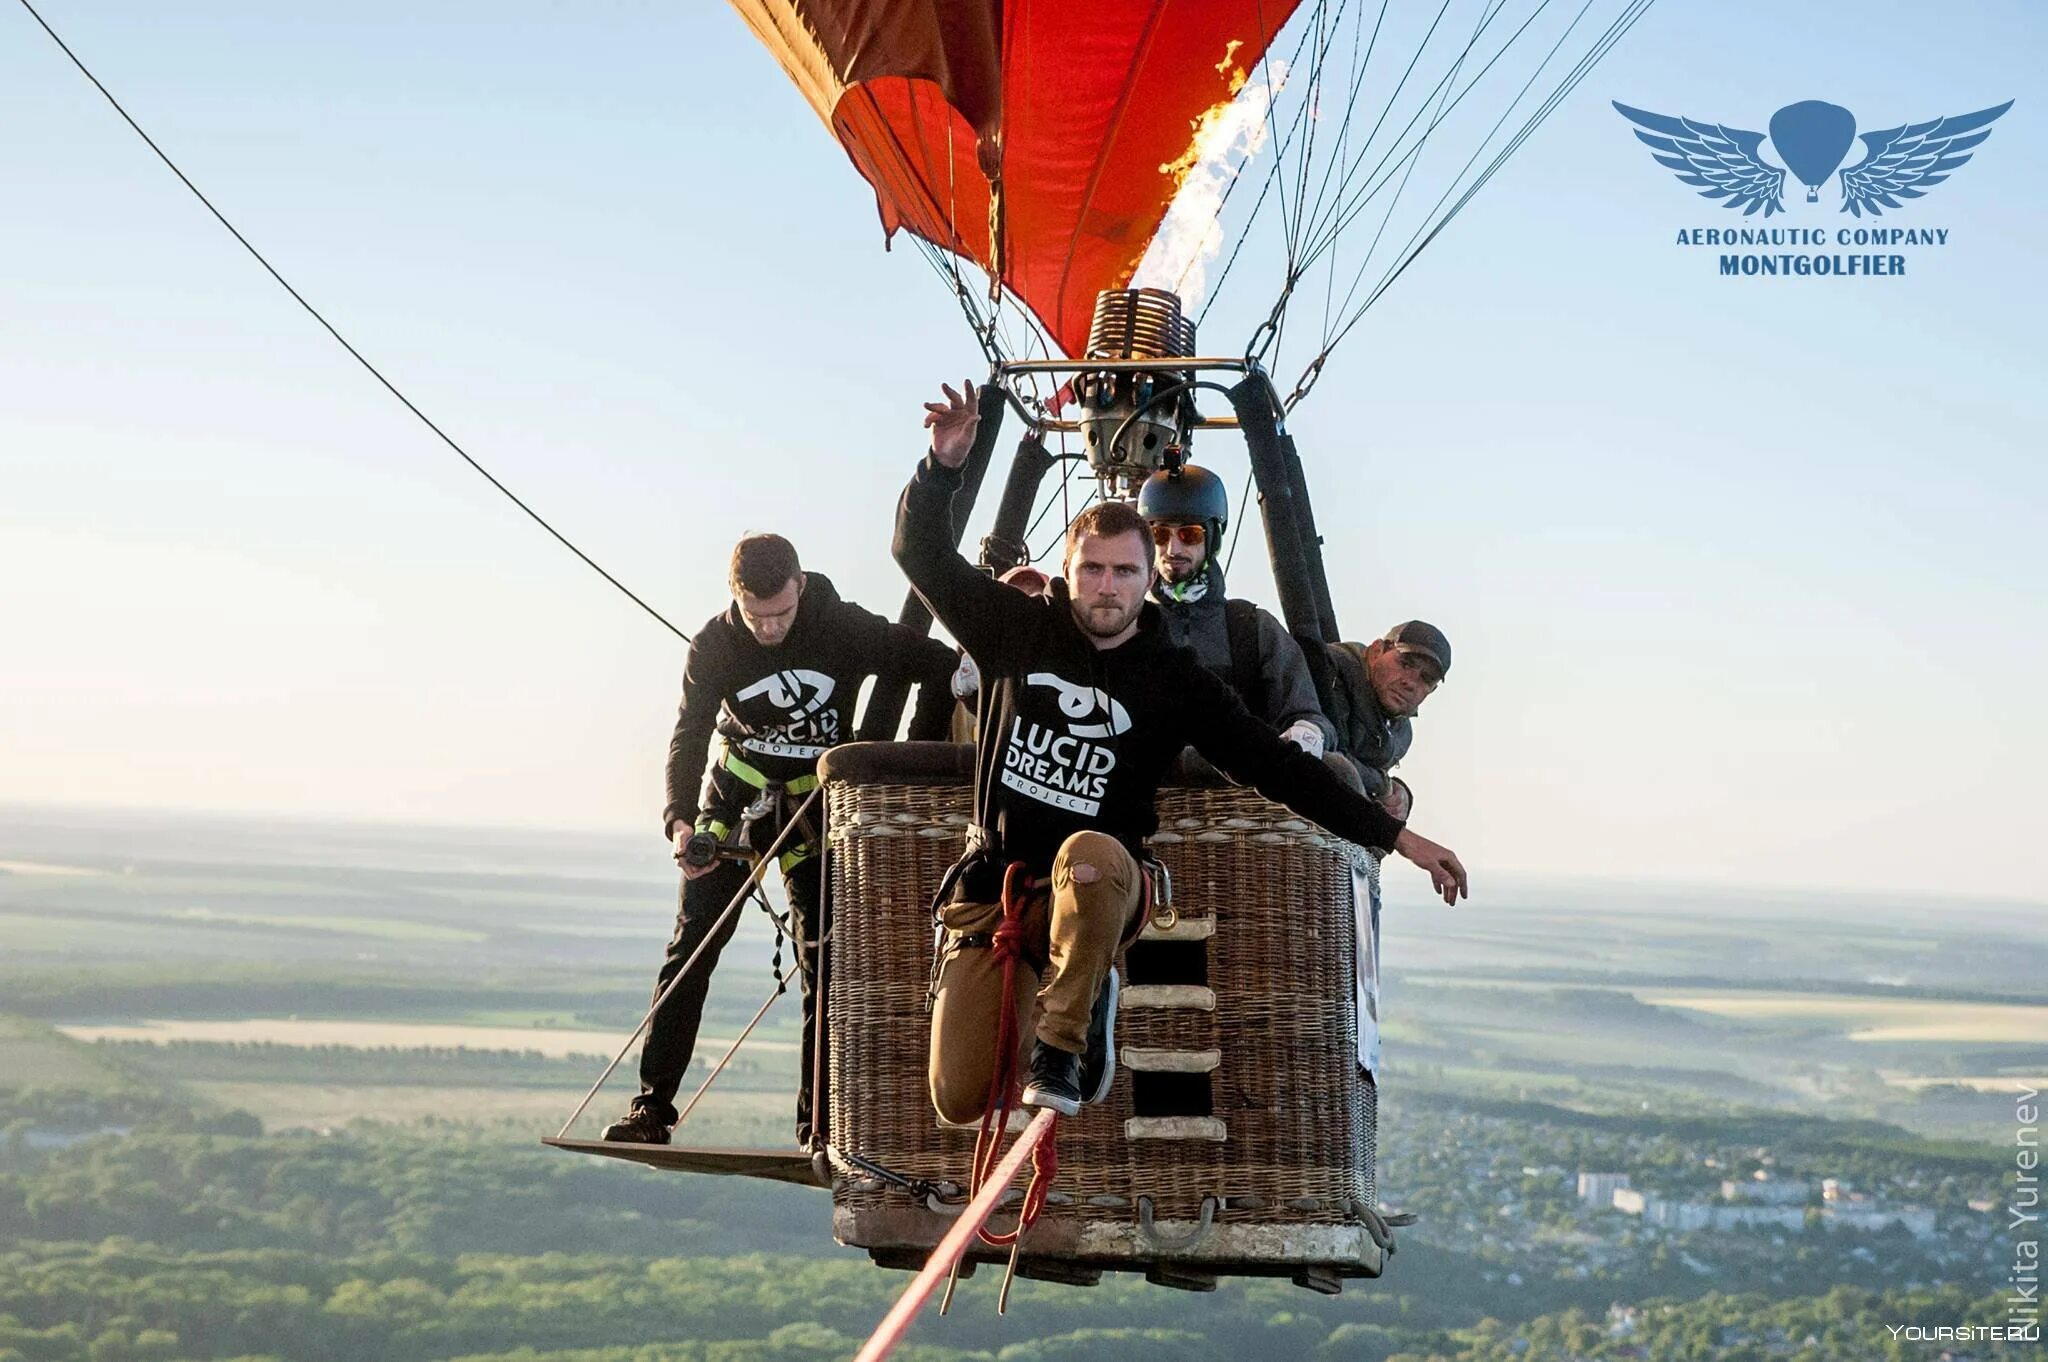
pixel 953 423
pixel 1446 875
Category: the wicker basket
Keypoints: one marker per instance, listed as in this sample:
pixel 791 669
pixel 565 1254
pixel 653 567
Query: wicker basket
pixel 1238 1138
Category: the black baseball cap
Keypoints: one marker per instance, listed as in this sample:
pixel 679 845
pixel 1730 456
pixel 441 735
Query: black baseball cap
pixel 1425 640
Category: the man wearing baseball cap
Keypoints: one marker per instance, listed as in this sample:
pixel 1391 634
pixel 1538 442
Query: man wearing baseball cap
pixel 1378 687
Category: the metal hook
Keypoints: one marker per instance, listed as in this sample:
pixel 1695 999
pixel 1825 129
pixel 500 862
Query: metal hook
pixel 1182 1243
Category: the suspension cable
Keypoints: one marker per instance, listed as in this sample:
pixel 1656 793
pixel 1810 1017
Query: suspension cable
pixel 328 326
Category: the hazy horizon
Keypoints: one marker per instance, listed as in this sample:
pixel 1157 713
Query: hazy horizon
pixel 648 857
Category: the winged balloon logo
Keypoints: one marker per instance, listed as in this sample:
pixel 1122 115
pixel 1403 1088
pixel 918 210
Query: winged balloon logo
pixel 1812 138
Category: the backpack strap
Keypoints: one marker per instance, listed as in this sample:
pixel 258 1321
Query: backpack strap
pixel 1330 665
pixel 1247 677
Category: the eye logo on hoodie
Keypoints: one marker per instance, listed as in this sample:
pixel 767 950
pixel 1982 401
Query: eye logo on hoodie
pixel 799 723
pixel 1108 718
pixel 1048 756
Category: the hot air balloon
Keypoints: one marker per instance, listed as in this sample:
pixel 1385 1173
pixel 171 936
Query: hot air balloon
pixel 1085 176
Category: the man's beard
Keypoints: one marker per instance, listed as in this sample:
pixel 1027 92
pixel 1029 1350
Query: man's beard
pixel 1179 571
pixel 1092 619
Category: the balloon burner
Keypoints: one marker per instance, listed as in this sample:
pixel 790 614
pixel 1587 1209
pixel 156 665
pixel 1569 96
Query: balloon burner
pixel 1134 419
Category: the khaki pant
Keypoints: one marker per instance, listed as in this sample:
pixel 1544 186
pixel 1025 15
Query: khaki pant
pixel 1073 930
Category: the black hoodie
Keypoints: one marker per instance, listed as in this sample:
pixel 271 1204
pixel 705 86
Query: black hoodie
pixel 1074 736
pixel 779 708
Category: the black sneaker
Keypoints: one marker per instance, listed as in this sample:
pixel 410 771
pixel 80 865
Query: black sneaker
pixel 638 1126
pixel 1055 1080
pixel 1098 1061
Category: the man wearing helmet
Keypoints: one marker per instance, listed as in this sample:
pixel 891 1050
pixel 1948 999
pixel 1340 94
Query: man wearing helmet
pixel 1186 510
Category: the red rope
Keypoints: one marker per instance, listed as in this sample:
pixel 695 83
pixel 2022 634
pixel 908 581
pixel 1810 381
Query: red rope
pixel 1006 948
pixel 956 1243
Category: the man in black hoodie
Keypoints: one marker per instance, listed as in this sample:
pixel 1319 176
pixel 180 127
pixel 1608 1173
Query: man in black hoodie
pixel 774 679
pixel 1084 707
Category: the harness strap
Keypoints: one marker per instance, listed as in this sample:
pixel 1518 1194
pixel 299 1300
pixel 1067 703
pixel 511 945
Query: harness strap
pixel 755 777
pixel 1241 635
pixel 731 762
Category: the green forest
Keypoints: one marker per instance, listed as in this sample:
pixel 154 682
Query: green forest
pixel 176 1233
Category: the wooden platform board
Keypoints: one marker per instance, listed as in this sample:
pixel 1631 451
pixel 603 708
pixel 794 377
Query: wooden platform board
pixel 776 1165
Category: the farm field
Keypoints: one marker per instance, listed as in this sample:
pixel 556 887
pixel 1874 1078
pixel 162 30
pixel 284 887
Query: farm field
pixel 1872 1018
pixel 33 1056
pixel 374 1035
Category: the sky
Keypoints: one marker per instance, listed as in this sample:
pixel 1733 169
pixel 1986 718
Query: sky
pixel 1744 576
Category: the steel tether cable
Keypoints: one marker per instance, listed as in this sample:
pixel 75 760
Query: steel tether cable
pixel 340 339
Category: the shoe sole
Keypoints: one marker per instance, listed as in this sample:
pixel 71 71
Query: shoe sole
pixel 1112 986
pixel 619 1133
pixel 1038 1097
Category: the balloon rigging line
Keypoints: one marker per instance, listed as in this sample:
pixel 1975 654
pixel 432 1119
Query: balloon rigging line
pixel 342 340
pixel 1058 493
pixel 1343 139
pixel 988 329
pixel 1330 243
pixel 1615 33
pixel 1344 178
pixel 1067 511
pixel 1358 69
pixel 1621 22
pixel 1298 261
pixel 1345 212
pixel 1319 240
pixel 1477 151
pixel 1330 214
pixel 732 907
pixel 1280 156
pixel 1443 88
pixel 1243 503
pixel 1237 174
pixel 1324 32
pixel 1265 186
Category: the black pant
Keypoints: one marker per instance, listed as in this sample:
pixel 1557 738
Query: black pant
pixel 672 1036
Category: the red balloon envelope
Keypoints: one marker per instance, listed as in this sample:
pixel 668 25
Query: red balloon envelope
pixel 1041 139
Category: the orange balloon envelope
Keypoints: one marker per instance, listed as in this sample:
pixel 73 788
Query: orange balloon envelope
pixel 1042 139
